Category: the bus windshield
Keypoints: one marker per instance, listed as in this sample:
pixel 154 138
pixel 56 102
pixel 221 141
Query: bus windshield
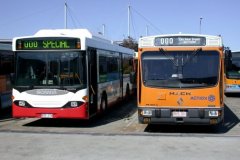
pixel 56 69
pixel 233 71
pixel 180 69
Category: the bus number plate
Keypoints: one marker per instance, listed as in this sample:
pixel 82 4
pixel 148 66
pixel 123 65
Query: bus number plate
pixel 47 115
pixel 179 114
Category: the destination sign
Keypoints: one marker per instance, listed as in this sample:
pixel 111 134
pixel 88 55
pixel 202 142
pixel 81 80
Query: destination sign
pixel 48 43
pixel 180 41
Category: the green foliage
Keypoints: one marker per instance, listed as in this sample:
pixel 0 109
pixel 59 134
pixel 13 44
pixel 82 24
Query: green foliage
pixel 130 43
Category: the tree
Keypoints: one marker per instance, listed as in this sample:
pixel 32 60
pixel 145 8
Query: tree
pixel 130 43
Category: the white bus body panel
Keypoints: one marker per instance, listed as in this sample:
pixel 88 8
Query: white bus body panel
pixel 49 98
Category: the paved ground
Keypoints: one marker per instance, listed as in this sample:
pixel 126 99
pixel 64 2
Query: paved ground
pixel 117 135
pixel 30 146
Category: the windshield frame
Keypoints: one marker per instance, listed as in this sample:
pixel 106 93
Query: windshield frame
pixel 173 82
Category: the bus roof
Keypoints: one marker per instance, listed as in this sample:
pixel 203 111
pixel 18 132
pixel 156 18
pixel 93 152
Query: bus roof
pixel 87 39
pixel 180 40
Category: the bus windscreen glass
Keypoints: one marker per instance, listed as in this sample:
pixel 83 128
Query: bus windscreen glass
pixel 58 69
pixel 233 70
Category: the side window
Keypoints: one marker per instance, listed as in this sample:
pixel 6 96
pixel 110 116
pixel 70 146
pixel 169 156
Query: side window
pixel 127 64
pixel 108 66
pixel 102 68
pixel 113 68
pixel 6 62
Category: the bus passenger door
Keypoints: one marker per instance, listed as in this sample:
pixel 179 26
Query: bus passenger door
pixel 93 93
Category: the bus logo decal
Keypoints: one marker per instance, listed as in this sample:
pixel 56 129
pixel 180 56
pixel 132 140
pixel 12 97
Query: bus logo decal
pixel 46 92
pixel 200 98
pixel 211 98
pixel 180 101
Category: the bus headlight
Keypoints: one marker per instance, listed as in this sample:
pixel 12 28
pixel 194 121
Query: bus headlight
pixel 213 113
pixel 146 112
pixel 21 103
pixel 73 104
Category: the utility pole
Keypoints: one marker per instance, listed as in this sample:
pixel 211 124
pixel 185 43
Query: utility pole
pixel 200 26
pixel 129 21
pixel 65 15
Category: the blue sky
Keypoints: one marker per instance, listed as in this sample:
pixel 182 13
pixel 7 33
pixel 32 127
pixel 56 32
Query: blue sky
pixel 220 17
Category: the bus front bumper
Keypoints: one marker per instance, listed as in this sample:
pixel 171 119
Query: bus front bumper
pixel 200 116
pixel 79 112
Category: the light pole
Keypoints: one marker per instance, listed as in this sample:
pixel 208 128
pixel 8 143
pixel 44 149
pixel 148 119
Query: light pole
pixel 65 14
pixel 200 27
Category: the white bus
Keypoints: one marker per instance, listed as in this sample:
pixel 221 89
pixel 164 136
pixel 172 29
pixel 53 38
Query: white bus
pixel 68 73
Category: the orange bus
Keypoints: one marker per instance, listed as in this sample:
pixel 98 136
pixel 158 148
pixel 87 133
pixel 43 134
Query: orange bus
pixel 232 72
pixel 180 79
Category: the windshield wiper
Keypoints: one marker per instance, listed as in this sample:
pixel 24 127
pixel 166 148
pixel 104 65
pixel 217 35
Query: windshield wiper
pixel 190 56
pixel 170 58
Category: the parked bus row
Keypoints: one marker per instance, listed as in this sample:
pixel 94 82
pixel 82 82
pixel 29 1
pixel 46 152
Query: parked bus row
pixel 75 74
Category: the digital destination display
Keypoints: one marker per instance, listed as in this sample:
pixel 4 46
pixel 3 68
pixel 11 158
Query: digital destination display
pixel 180 41
pixel 47 43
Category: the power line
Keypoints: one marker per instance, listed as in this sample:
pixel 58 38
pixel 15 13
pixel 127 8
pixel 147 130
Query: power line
pixel 74 20
pixel 71 13
pixel 146 19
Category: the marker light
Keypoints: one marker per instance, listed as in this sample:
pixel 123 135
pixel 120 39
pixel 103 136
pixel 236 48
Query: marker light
pixel 78 45
pixel 19 45
pixel 85 98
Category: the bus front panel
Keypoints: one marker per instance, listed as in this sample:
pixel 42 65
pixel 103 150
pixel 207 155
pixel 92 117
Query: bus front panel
pixel 180 87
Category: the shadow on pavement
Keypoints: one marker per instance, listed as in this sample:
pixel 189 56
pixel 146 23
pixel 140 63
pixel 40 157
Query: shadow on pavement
pixel 232 94
pixel 115 113
pixel 5 114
